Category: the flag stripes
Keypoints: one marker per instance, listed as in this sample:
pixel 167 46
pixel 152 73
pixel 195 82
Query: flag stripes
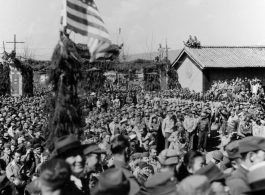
pixel 83 10
pixel 82 17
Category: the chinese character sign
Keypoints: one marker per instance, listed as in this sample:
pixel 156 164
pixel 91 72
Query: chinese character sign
pixel 16 82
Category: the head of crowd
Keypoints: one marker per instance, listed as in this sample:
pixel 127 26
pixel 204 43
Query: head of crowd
pixel 173 142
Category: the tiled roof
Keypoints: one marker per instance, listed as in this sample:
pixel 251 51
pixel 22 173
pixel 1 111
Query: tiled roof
pixel 226 56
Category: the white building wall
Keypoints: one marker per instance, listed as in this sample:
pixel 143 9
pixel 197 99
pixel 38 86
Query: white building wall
pixel 190 76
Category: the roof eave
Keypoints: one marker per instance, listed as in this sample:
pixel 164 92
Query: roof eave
pixel 184 50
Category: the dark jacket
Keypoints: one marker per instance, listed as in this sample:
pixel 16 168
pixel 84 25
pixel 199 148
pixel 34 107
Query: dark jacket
pixel 204 125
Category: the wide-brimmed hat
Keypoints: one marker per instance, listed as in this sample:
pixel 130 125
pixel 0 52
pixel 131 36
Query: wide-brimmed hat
pixel 66 143
pixel 114 180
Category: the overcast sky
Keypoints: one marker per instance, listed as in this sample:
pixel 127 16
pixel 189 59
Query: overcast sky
pixel 214 22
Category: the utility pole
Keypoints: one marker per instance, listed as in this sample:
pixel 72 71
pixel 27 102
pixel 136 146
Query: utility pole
pixel 15 42
pixel 4 46
pixel 167 68
pixel 167 48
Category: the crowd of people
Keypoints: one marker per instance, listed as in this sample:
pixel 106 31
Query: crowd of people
pixel 140 143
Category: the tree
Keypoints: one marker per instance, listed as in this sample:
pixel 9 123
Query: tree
pixel 149 46
pixel 28 48
pixel 63 105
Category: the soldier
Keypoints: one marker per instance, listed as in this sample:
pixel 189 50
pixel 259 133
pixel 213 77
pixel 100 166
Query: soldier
pixel 144 173
pixel 204 130
pixel 252 151
pixel 153 159
pixel 93 160
pixel 15 167
pixel 164 182
pixel 232 150
pixel 135 161
pixel 6 158
pixel 168 126
pixel 143 158
pixel 70 150
pixel 190 124
pixel 217 157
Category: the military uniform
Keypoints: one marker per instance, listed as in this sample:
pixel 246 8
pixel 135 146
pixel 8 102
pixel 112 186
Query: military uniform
pixel 204 130
pixel 6 160
pixel 238 182
pixel 14 169
pixel 154 163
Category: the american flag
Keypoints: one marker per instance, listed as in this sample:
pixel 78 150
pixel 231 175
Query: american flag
pixel 82 17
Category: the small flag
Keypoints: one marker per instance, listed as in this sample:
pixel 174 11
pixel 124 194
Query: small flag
pixel 83 17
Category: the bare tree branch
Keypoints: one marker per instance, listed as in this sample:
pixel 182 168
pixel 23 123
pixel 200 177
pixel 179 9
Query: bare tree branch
pixel 28 48
pixel 149 46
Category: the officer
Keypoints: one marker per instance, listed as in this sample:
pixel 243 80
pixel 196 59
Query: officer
pixel 204 129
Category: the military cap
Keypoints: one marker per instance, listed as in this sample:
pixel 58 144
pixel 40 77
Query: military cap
pixel 195 184
pixel 142 165
pixel 212 172
pixel 251 143
pixel 168 157
pixel 218 155
pixel 232 150
pixel 136 155
pixel 153 147
pixel 144 154
pixel 162 183
pixel 93 149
